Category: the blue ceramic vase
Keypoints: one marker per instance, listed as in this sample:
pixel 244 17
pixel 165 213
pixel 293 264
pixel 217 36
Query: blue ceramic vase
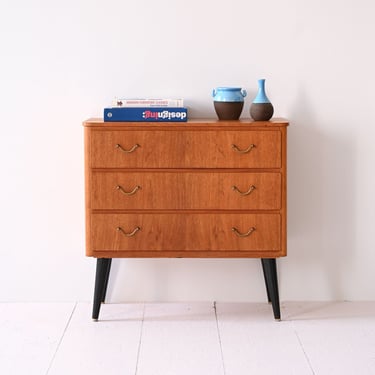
pixel 228 102
pixel 261 109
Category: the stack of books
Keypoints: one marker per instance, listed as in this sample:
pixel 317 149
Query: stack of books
pixel 146 110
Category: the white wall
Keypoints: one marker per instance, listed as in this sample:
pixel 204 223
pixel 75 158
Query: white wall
pixel 63 61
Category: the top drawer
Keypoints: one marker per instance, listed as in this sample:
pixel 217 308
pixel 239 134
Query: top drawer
pixel 184 149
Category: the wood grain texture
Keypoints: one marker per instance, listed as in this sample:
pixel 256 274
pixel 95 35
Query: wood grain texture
pixel 185 204
pixel 88 190
pixel 198 123
pixel 185 231
pixel 185 149
pixel 186 190
pixel 283 210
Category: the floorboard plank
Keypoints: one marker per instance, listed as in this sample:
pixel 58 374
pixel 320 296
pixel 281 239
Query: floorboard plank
pixel 30 334
pixel 109 346
pixel 254 343
pixel 180 338
pixel 337 337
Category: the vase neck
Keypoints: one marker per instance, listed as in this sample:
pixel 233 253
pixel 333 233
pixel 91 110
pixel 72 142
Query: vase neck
pixel 261 95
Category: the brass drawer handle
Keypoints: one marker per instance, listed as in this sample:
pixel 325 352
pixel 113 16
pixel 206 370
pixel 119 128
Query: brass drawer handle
pixel 120 188
pixel 131 234
pixel 236 148
pixel 239 234
pixel 127 151
pixel 251 189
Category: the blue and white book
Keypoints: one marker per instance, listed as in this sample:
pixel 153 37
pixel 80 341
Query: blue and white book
pixel 145 114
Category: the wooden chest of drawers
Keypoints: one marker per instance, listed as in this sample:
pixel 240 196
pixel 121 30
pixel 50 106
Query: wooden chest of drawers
pixel 205 188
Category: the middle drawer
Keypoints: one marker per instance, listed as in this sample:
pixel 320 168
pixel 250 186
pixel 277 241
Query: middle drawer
pixel 186 190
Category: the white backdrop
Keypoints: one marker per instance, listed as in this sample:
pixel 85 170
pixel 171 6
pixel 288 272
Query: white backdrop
pixel 64 61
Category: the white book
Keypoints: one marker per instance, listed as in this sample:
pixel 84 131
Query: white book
pixel 177 103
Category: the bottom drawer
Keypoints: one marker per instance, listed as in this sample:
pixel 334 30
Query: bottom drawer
pixel 168 232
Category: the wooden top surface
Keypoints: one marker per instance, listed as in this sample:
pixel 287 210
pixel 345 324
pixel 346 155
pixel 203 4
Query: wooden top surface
pixel 192 123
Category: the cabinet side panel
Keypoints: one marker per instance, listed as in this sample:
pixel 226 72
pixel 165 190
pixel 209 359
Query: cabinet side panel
pixel 87 140
pixel 284 191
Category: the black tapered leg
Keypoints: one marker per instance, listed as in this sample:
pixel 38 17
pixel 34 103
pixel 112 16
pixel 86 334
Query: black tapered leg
pixel 106 279
pixel 265 281
pixel 101 280
pixel 270 276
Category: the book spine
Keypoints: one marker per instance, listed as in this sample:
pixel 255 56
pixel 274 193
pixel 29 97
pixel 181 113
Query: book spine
pixel 145 114
pixel 176 103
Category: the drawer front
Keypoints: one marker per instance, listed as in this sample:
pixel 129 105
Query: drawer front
pixel 185 232
pixel 186 190
pixel 185 149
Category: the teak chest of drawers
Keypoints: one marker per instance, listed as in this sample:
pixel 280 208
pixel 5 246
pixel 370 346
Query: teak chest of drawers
pixel 201 189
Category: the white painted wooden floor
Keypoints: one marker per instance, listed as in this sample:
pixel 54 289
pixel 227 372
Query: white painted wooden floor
pixel 321 338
